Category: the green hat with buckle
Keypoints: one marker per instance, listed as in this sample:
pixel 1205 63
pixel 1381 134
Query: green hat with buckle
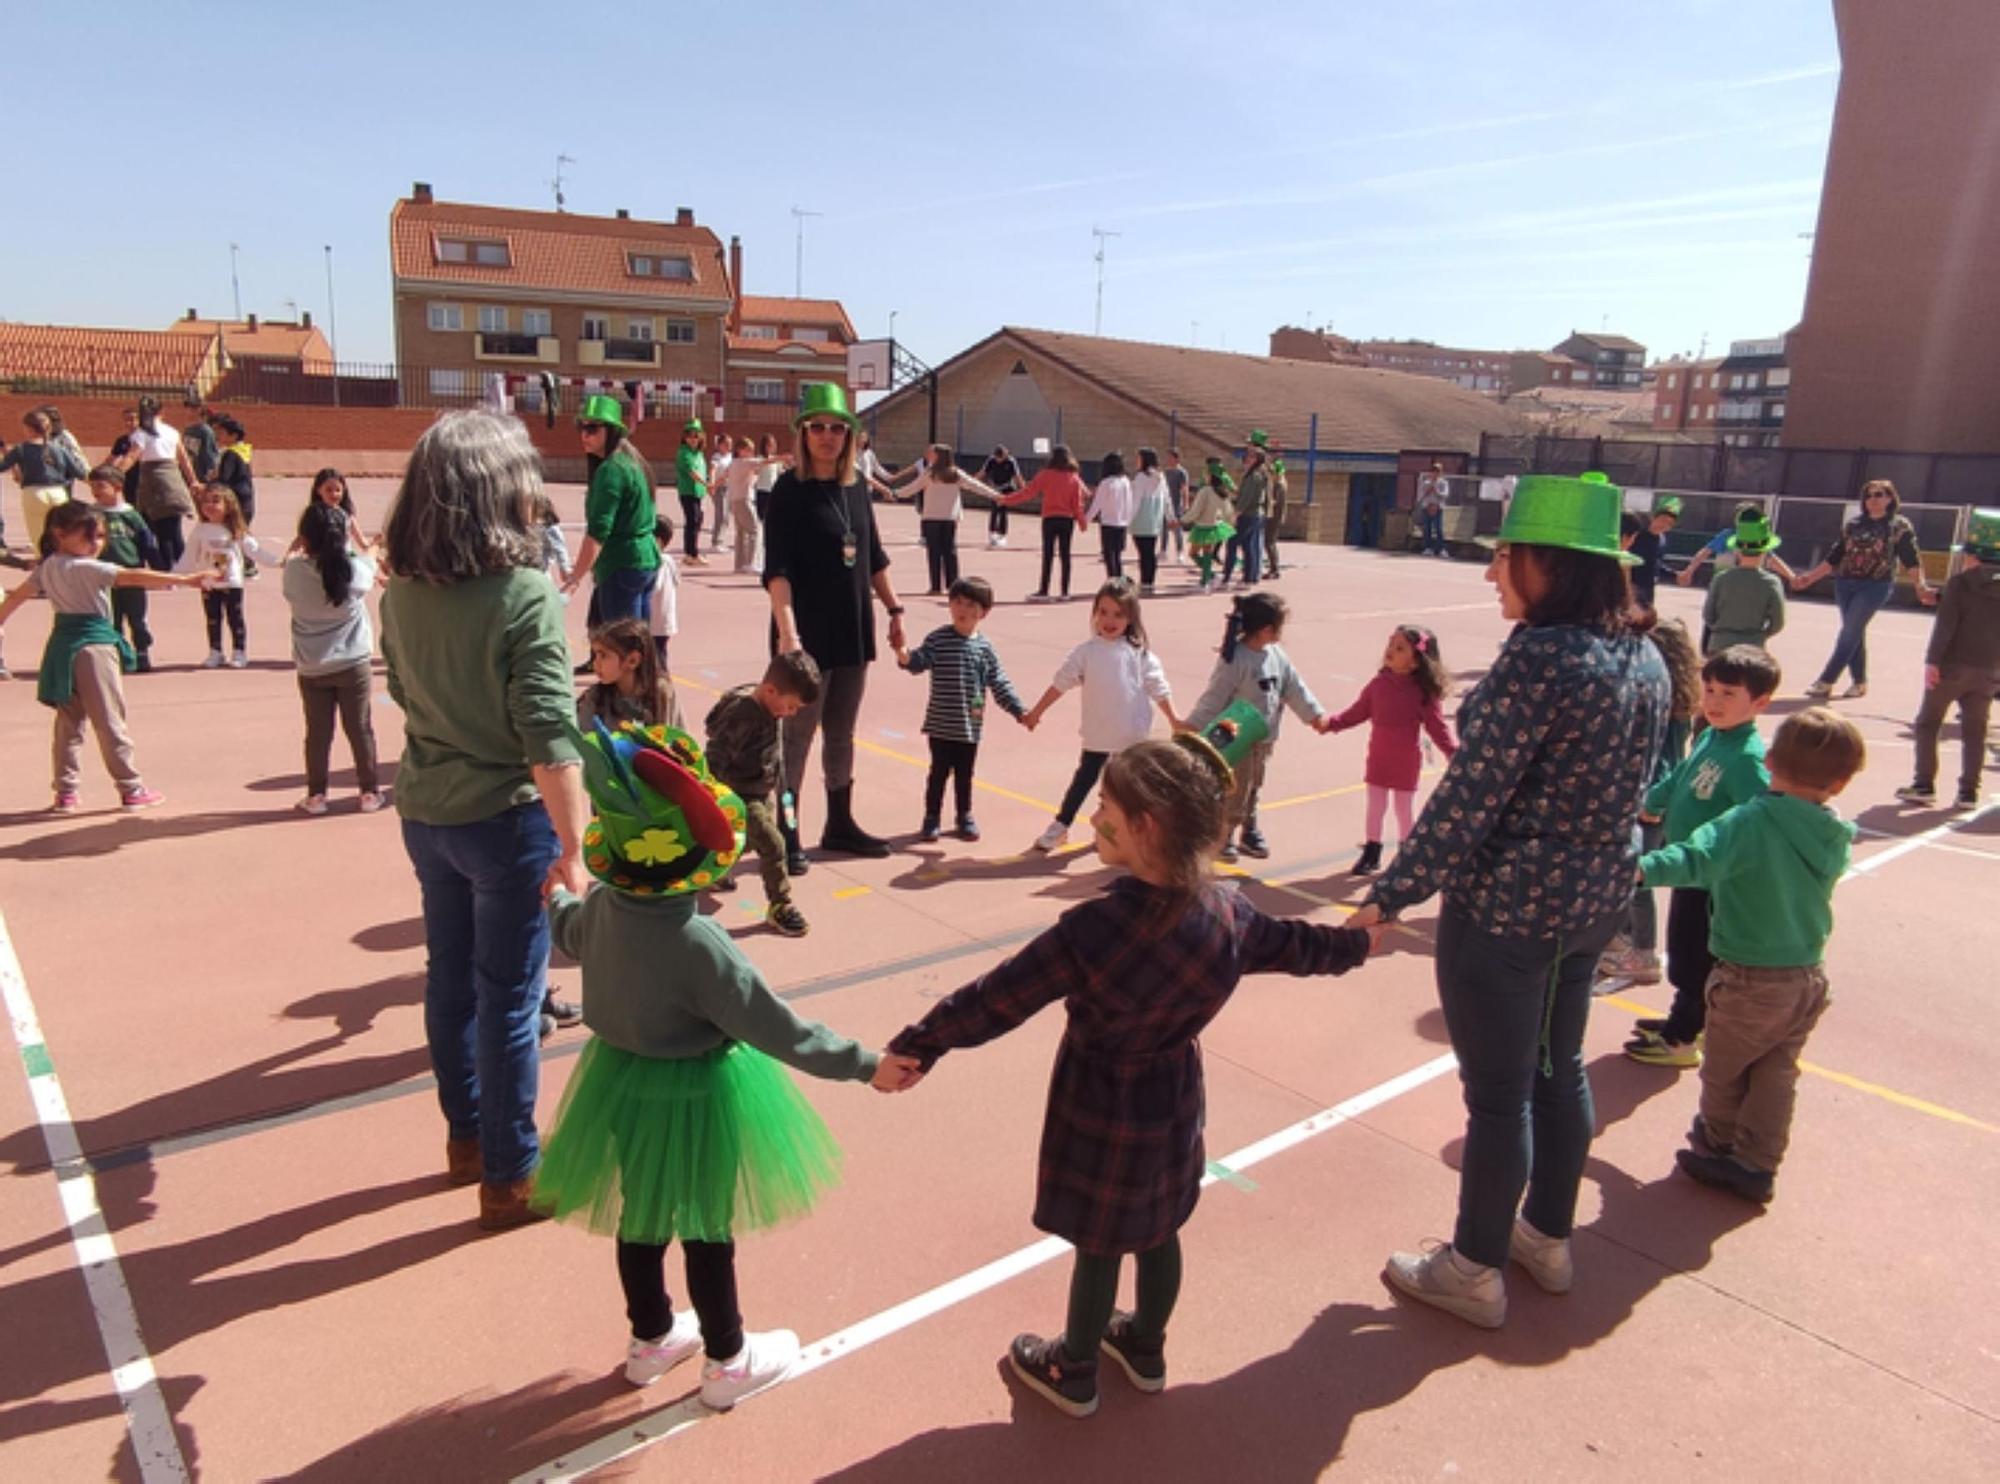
pixel 664 825
pixel 1581 514
pixel 1753 535
pixel 1982 536
pixel 1229 739
pixel 599 407
pixel 824 399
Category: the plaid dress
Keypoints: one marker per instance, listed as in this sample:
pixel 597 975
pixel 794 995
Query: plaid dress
pixel 1121 1154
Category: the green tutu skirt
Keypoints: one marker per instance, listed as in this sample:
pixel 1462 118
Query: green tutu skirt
pixel 703 1148
pixel 1213 535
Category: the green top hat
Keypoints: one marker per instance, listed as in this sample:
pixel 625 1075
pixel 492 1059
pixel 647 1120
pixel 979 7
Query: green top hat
pixel 1277 466
pixel 1668 505
pixel 824 399
pixel 1260 439
pixel 600 408
pixel 1753 535
pixel 1230 737
pixel 664 826
pixel 692 425
pixel 1982 536
pixel 1581 514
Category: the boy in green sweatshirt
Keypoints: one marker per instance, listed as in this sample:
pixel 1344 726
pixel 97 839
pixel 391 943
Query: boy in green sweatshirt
pixel 1723 769
pixel 1770 866
pixel 1746 603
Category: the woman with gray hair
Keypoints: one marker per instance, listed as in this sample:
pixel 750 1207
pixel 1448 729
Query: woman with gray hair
pixel 489 789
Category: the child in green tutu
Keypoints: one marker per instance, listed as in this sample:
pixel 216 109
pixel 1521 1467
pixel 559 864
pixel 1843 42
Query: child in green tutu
pixel 678 1123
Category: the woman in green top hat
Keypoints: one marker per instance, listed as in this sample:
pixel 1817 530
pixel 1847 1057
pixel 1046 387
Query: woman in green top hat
pixel 1532 840
pixel 618 549
pixel 825 569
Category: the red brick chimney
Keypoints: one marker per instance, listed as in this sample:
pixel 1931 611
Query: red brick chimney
pixel 305 319
pixel 420 193
pixel 252 324
pixel 684 216
pixel 736 285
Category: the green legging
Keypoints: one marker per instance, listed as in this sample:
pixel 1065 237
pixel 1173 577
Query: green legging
pixel 1093 1293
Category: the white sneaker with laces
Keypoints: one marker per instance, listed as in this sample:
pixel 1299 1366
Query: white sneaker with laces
pixel 648 1360
pixel 1547 1259
pixel 763 1362
pixel 1436 1277
pixel 214 660
pixel 239 660
pixel 1052 837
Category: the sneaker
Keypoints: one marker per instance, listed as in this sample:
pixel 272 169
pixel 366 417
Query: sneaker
pixel 239 661
pixel 564 1013
pixel 929 832
pixel 1144 1362
pixel 1547 1259
pixel 142 798
pixel 5 673
pixel 648 1360
pixel 142 664
pixel 66 804
pixel 1435 1277
pixel 1855 691
pixel 1658 1052
pixel 214 660
pixel 1648 1027
pixel 1918 793
pixel 1721 1173
pixel 545 1026
pixel 1053 837
pixel 313 804
pixel 1253 844
pixel 1968 798
pixel 1634 966
pixel 1046 1369
pixel 968 827
pixel 1227 855
pixel 762 1363
pixel 786 920
pixel 371 803
pixel 1819 690
pixel 796 864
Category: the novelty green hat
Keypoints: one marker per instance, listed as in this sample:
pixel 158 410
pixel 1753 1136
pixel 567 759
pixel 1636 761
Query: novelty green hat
pixel 664 826
pixel 1982 536
pixel 692 425
pixel 824 399
pixel 1260 439
pixel 1668 505
pixel 1581 514
pixel 600 408
pixel 1753 535
pixel 1229 739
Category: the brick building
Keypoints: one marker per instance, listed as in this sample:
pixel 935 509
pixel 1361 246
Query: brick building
pixel 1532 368
pixel 1755 383
pixel 777 345
pixel 1686 395
pixel 1475 370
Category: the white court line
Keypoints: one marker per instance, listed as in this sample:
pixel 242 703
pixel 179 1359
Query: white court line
pixel 154 1444
pixel 1918 842
pixel 669 1421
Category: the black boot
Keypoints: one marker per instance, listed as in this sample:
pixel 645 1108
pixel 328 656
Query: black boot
pixel 1370 859
pixel 842 834
pixel 796 863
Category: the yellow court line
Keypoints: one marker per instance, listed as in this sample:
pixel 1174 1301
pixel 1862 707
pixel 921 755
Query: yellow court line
pixel 851 891
pixel 918 762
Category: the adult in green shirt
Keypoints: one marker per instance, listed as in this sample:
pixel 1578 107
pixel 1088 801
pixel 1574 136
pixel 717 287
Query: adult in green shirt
pixel 489 789
pixel 618 550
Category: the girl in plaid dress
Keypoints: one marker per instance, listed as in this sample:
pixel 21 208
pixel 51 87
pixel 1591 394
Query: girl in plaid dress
pixel 1141 970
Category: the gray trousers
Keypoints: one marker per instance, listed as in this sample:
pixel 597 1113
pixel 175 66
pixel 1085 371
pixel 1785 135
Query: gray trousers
pixel 834 713
pixel 1973 691
pixel 99 699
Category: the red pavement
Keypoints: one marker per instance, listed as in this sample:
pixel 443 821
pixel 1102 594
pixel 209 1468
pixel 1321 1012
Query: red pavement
pixel 230 996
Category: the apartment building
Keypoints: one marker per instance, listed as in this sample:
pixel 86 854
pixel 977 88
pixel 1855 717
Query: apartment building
pixel 1614 360
pixel 1686 394
pixel 1753 385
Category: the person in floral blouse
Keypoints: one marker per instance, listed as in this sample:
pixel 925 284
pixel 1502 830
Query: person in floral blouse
pixel 1864 562
pixel 1532 841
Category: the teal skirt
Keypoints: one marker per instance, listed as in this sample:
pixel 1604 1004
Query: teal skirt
pixel 704 1148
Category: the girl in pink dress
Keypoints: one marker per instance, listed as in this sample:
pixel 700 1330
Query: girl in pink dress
pixel 1404 698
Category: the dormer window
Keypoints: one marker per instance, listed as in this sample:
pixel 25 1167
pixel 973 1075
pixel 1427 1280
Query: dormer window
pixel 483 253
pixel 660 265
pixel 760 332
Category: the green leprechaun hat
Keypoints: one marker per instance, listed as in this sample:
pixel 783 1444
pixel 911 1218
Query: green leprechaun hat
pixel 600 408
pixel 1580 514
pixel 1229 738
pixel 1982 536
pixel 1668 505
pixel 692 425
pixel 824 399
pixel 1260 439
pixel 1753 534
pixel 664 825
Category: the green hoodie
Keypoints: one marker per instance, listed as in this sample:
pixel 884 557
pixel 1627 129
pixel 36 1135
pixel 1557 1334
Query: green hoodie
pixel 1769 868
pixel 1722 770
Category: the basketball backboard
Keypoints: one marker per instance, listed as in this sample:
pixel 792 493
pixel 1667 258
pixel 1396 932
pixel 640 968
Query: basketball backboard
pixel 868 363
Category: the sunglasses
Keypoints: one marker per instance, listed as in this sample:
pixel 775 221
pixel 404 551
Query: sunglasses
pixel 818 427
pixel 590 427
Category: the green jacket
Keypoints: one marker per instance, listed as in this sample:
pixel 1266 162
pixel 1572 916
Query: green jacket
pixel 1769 868
pixel 619 512
pixel 69 636
pixel 1253 497
pixel 1745 605
pixel 690 473
pixel 1722 770
pixel 661 980
pixel 481 670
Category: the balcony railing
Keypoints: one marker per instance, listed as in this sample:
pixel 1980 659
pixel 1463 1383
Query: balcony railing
pixel 633 352
pixel 494 345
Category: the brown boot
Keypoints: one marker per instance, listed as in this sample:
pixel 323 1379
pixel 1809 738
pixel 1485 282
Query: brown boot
pixel 462 1164
pixel 503 1205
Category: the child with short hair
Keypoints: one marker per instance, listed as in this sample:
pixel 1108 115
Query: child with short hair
pixel 630 684
pixel 1770 867
pixel 1745 603
pixel 1253 668
pixel 663 613
pixel 218 548
pixel 963 668
pixel 1962 664
pixel 1119 675
pixel 128 543
pixel 1142 970
pixel 79 674
pixel 1404 700
pixel 746 750
pixel 1723 769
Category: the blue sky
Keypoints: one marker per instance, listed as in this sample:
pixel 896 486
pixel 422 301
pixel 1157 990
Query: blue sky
pixel 1486 175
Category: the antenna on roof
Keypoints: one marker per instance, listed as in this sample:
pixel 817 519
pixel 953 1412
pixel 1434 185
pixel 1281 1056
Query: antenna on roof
pixel 557 184
pixel 1102 236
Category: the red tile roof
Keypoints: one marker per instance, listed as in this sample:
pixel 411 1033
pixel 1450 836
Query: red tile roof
pixel 818 313
pixel 756 345
pixel 272 341
pixel 111 358
pixel 553 250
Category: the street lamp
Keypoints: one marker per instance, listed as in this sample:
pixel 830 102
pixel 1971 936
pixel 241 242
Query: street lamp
pixel 332 326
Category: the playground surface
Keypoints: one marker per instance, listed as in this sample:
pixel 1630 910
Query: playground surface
pixel 227 1248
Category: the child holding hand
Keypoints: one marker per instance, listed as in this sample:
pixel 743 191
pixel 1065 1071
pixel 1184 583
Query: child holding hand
pixel 963 668
pixel 1403 700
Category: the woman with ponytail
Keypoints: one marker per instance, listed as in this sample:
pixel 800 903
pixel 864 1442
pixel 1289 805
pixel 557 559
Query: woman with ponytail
pixel 327 586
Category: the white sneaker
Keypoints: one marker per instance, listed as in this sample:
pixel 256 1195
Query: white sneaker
pixel 1547 1259
pixel 648 1360
pixel 763 1362
pixel 214 660
pixel 239 660
pixel 1052 837
pixel 313 804
pixel 1434 1277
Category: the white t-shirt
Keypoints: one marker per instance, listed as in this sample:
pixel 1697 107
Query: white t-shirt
pixel 937 499
pixel 76 584
pixel 739 477
pixel 1112 504
pixel 162 445
pixel 211 549
pixel 1121 682
pixel 665 608
pixel 718 470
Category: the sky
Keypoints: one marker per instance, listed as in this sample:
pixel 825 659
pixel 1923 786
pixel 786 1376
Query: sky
pixel 1488 175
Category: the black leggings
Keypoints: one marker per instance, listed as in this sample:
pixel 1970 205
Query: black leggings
pixel 169 544
pixel 216 602
pixel 1688 962
pixel 1112 542
pixel 941 552
pixel 1056 533
pixel 1088 768
pixel 691 525
pixel 1093 1293
pixel 1149 558
pixel 996 520
pixel 711 1280
pixel 954 760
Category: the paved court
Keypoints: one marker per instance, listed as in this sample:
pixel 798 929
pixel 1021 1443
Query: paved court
pixel 227 1248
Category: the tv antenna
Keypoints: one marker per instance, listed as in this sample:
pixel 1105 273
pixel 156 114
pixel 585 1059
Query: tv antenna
pixel 799 215
pixel 1102 237
pixel 557 184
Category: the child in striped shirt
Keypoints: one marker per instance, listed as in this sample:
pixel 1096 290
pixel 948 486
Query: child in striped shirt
pixel 963 668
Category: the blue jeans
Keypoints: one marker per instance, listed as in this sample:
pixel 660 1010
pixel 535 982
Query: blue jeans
pixel 1249 539
pixel 1433 529
pixel 485 975
pixel 626 593
pixel 1859 601
pixel 1522 1128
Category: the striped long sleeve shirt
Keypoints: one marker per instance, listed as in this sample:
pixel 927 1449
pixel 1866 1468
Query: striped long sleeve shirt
pixel 962 671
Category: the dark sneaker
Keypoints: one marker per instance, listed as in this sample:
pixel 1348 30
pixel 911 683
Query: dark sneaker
pixel 968 827
pixel 1144 1362
pixel 1917 793
pixel 1968 798
pixel 1045 1368
pixel 562 1012
pixel 1648 1027
pixel 143 664
pixel 1721 1173
pixel 786 920
pixel 930 830
pixel 796 863
pixel 1254 845
pixel 1228 852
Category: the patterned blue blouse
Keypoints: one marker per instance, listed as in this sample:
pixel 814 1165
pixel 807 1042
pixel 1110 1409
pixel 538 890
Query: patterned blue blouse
pixel 1532 832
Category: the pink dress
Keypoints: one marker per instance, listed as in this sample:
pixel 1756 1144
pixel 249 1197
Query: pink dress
pixel 1394 706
